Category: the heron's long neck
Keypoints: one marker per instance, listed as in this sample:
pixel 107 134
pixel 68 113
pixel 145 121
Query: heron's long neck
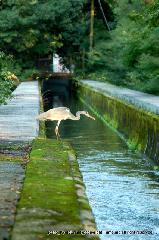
pixel 77 117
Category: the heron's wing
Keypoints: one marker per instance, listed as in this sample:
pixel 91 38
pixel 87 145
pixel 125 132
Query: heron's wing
pixel 60 113
pixel 42 116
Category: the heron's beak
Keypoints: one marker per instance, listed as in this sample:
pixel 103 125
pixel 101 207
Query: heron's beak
pixel 90 117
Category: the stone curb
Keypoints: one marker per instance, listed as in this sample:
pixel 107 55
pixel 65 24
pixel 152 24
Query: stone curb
pixel 145 101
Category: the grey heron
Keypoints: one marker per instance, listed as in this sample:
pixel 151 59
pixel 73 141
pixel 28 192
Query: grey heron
pixel 59 114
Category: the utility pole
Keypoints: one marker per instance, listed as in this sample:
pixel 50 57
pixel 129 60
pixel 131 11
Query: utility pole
pixel 91 26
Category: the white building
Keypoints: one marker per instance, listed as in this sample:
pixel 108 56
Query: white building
pixel 57 66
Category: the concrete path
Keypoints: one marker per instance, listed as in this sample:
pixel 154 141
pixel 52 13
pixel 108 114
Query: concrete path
pixel 17 118
pixel 18 126
pixel 145 101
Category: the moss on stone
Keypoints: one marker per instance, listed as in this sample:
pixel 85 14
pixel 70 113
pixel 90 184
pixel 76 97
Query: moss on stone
pixel 15 152
pixel 49 187
pixel 12 158
pixel 112 122
pixel 139 129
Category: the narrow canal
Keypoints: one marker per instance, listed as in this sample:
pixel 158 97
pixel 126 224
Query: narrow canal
pixel 122 188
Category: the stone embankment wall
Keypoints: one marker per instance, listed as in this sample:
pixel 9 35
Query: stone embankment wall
pixel 138 126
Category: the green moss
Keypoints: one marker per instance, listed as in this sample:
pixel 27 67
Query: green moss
pixel 132 144
pixel 103 118
pixel 12 158
pixel 47 164
pixel 112 122
pixel 49 187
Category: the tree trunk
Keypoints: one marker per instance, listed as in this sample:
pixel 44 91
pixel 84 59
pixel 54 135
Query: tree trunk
pixel 91 25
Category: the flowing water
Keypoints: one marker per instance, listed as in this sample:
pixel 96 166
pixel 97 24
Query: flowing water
pixel 122 187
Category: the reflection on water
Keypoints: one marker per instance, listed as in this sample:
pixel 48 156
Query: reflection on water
pixel 123 188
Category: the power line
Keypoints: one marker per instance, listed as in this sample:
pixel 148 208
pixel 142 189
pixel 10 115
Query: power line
pixel 105 19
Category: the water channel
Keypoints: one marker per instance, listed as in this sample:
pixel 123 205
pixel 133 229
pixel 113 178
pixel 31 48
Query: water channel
pixel 122 187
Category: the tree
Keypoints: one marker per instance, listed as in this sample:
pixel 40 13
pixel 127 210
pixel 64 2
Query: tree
pixel 32 28
pixel 129 55
pixel 8 80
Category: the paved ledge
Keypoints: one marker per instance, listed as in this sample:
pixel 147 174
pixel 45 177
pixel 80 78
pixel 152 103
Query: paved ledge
pixel 145 101
pixel 18 127
pixel 17 117
pixel 53 196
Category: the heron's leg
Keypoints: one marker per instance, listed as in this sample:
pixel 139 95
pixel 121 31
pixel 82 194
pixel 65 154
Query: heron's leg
pixel 57 130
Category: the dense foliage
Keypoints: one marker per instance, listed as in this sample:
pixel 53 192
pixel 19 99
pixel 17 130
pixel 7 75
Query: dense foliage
pixel 36 28
pixel 30 29
pixel 128 54
pixel 8 80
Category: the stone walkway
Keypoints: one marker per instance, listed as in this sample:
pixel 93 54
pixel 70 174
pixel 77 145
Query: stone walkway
pixel 17 118
pixel 11 178
pixel 145 101
pixel 18 126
